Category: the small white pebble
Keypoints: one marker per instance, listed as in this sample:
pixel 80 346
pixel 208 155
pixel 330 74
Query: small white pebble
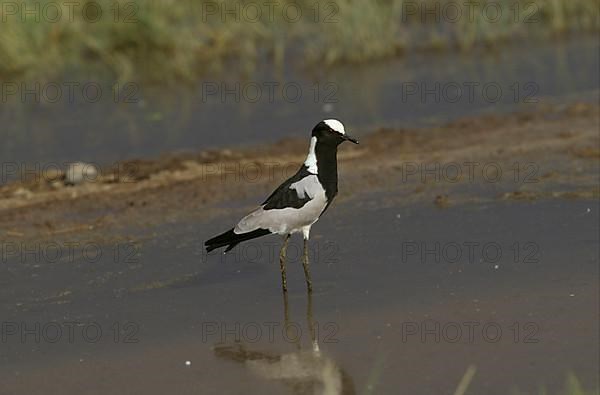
pixel 188 363
pixel 398 215
pixel 571 295
pixel 496 266
pixel 589 210
pixel 327 107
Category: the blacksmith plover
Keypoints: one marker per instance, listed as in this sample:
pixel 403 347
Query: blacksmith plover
pixel 297 203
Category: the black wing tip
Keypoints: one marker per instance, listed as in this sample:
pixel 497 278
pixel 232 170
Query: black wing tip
pixel 230 239
pixel 212 247
pixel 219 241
pixel 209 248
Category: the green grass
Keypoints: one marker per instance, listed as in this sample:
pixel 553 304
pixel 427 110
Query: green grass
pixel 173 40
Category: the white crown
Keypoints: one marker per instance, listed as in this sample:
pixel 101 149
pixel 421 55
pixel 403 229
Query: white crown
pixel 335 125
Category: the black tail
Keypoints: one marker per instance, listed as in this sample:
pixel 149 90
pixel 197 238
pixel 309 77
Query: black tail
pixel 231 239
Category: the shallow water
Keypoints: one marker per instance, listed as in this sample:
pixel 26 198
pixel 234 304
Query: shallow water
pixel 137 121
pixel 391 314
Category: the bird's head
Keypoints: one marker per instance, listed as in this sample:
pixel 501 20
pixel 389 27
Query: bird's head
pixel 331 131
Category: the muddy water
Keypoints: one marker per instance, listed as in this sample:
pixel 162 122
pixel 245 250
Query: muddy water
pixel 394 310
pixel 100 121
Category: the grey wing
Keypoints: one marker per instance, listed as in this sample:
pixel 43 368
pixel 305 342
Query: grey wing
pixel 288 207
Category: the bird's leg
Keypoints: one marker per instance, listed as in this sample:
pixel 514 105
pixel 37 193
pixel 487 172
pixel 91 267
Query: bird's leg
pixel 282 255
pixel 286 321
pixel 286 311
pixel 310 323
pixel 306 268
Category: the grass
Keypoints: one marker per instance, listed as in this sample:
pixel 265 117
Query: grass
pixel 572 386
pixel 166 40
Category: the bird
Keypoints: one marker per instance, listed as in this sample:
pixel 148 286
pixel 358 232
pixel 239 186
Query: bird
pixel 298 202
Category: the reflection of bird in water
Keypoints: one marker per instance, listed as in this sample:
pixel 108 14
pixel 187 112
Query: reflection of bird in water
pixel 304 371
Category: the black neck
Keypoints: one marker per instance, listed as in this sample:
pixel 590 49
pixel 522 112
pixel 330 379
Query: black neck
pixel 327 164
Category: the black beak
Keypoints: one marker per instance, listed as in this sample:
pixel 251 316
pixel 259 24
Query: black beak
pixel 351 139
